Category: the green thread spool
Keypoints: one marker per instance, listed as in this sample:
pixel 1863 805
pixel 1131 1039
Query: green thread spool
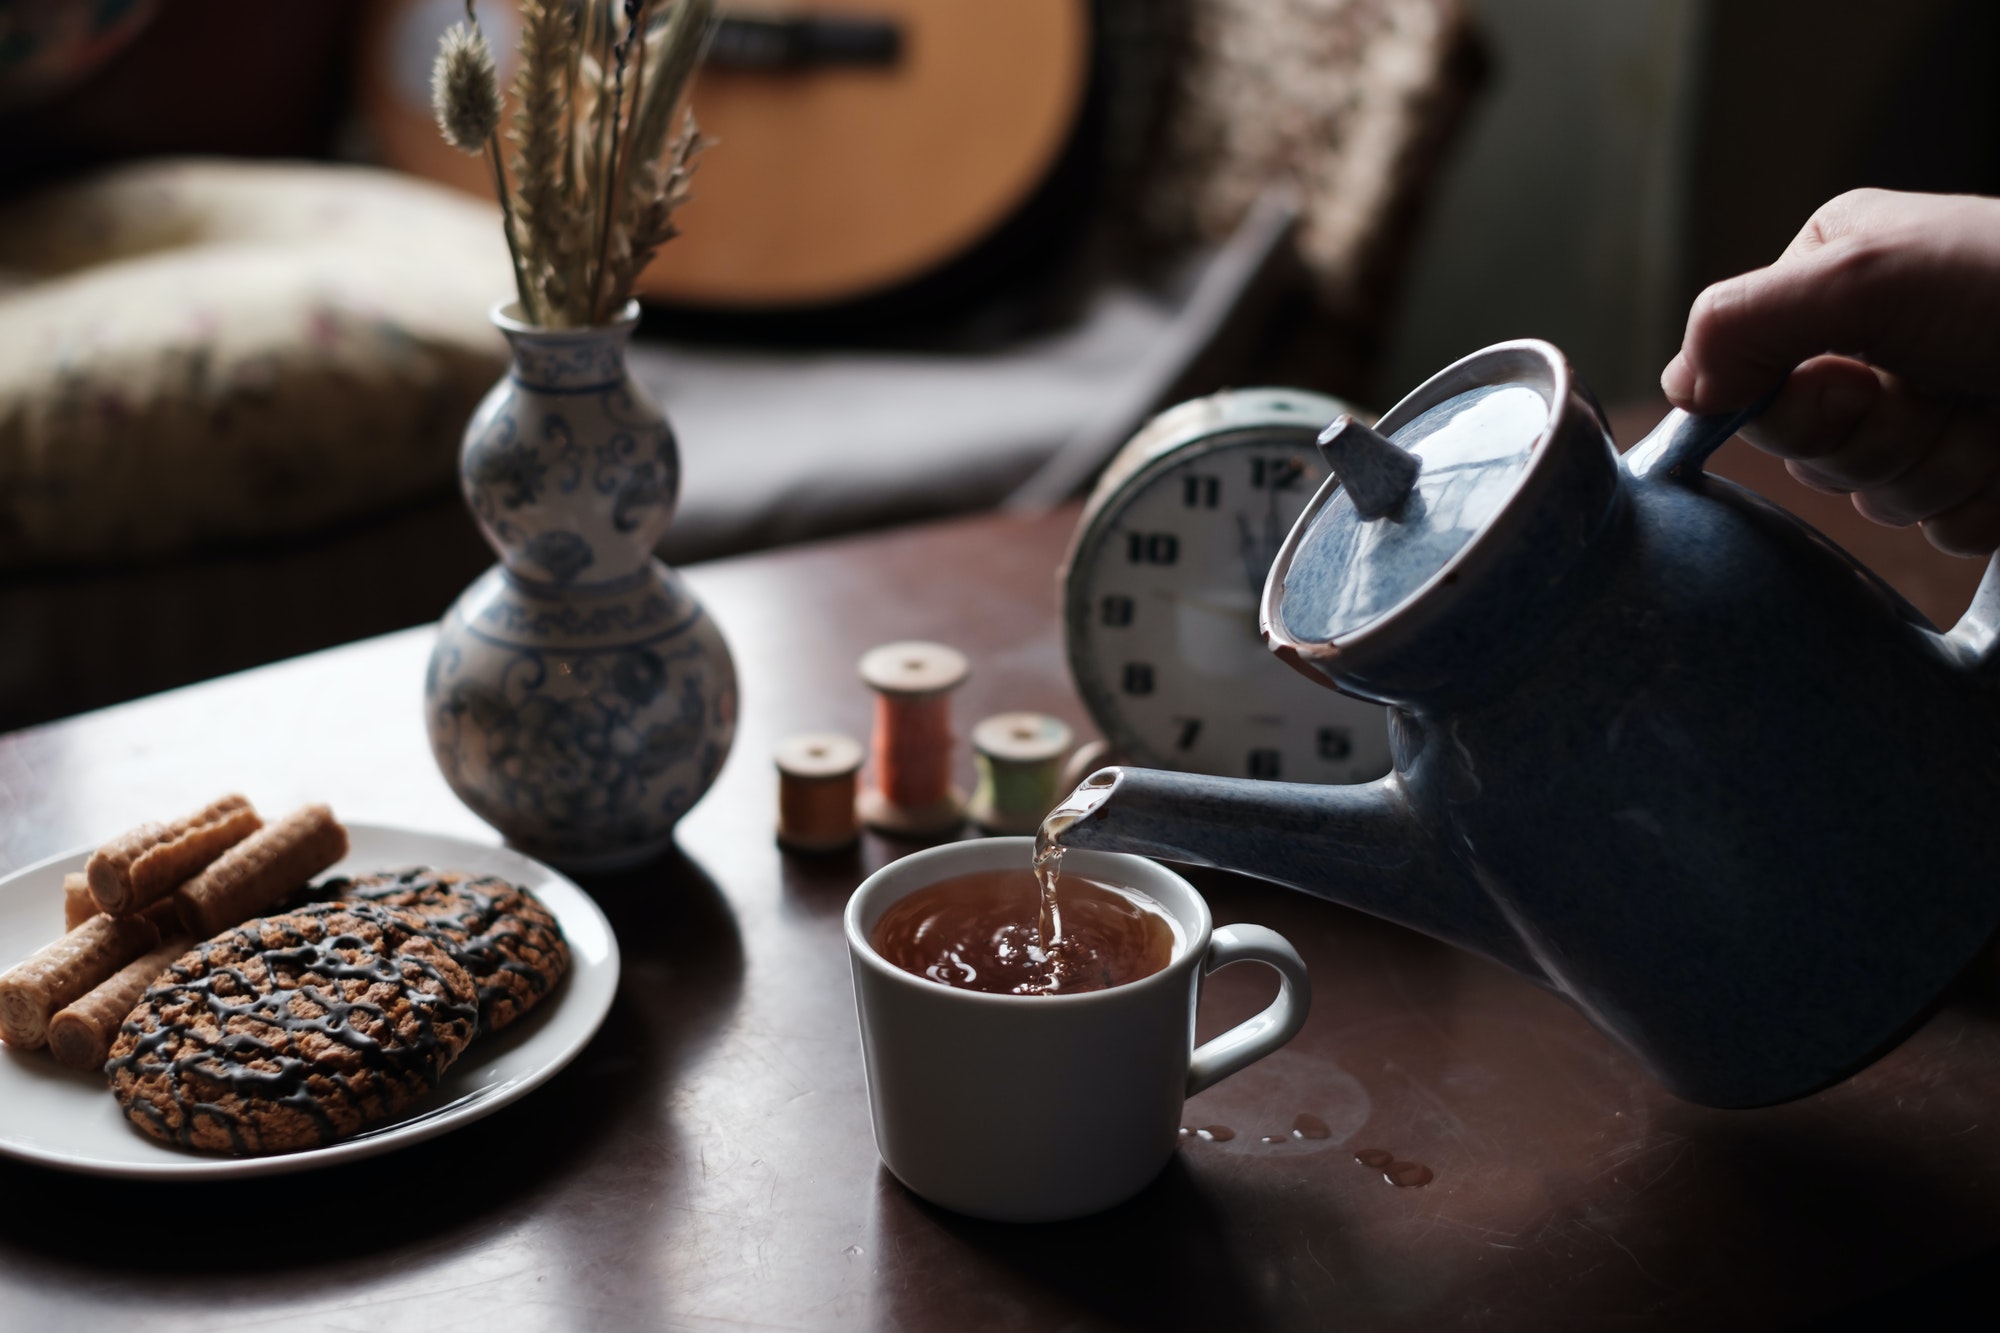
pixel 1020 762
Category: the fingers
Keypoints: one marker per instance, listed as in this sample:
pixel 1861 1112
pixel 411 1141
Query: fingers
pixel 1880 449
pixel 1905 282
pixel 1961 465
pixel 1742 336
pixel 1844 427
pixel 1882 303
pixel 1906 457
pixel 1819 408
pixel 1973 528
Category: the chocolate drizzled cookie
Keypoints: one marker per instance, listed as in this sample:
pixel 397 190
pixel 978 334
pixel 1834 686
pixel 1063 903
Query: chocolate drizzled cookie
pixel 498 932
pixel 292 1031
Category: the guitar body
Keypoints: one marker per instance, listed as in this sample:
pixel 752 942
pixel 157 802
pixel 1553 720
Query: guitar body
pixel 828 182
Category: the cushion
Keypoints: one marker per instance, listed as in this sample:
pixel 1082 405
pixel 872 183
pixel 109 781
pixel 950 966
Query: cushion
pixel 194 352
pixel 1350 103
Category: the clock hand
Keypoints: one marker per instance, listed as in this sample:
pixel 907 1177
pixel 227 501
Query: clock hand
pixel 1274 537
pixel 1221 602
pixel 1233 606
pixel 1260 549
pixel 1248 547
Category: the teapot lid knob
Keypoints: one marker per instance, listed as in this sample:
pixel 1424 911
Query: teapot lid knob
pixel 1376 472
pixel 1442 473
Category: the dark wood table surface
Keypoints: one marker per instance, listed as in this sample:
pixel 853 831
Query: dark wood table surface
pixel 706 1162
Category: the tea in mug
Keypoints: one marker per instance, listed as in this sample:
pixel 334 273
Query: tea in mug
pixel 983 932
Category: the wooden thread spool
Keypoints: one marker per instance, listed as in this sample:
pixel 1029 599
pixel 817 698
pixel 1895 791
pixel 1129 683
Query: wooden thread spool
pixel 817 775
pixel 910 793
pixel 1020 760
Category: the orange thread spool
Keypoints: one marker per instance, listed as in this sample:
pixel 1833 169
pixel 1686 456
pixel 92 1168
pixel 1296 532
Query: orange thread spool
pixel 911 793
pixel 817 776
pixel 913 748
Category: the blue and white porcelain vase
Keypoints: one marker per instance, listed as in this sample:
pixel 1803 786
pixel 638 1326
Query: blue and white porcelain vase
pixel 579 699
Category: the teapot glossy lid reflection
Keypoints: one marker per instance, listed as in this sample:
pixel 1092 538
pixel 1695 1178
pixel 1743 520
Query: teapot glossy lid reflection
pixel 1445 529
pixel 1349 569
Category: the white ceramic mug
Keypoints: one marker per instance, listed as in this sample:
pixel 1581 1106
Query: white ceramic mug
pixel 1033 1108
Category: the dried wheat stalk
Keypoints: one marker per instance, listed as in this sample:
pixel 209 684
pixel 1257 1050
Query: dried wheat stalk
pixel 465 97
pixel 601 160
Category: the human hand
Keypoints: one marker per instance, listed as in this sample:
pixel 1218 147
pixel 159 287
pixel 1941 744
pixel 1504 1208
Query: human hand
pixel 1888 305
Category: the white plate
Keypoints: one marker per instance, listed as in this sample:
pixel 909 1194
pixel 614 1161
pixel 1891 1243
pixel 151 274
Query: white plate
pixel 66 1119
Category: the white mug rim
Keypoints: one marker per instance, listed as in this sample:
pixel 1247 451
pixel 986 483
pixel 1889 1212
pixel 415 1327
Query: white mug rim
pixel 1174 973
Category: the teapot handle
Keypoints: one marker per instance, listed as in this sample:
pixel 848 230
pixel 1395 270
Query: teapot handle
pixel 1679 446
pixel 1976 636
pixel 1682 442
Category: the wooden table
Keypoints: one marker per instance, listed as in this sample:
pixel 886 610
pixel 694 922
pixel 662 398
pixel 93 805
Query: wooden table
pixel 706 1162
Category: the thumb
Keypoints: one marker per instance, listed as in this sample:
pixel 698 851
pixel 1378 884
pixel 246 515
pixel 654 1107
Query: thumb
pixel 1746 333
pixel 1904 282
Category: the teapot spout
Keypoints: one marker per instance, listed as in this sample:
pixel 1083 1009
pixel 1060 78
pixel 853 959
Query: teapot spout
pixel 1361 846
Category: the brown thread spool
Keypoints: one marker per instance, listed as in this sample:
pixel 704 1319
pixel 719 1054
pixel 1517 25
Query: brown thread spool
pixel 911 793
pixel 817 775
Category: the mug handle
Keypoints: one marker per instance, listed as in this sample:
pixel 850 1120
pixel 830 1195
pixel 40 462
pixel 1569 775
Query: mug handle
pixel 1280 1021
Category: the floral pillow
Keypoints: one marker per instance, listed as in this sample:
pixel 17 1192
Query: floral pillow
pixel 197 352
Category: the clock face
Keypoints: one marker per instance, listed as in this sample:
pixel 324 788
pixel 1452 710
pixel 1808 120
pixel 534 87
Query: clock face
pixel 1161 616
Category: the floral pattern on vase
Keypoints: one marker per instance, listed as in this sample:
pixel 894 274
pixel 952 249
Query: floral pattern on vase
pixel 579 699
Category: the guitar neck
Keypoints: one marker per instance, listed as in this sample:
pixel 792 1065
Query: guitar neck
pixel 804 41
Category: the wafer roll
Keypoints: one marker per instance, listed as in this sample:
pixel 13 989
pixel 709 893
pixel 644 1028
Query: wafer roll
pixel 262 871
pixel 166 917
pixel 69 967
pixel 78 905
pixel 81 907
pixel 148 863
pixel 80 1035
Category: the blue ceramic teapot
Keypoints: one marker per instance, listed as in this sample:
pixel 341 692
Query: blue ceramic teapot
pixel 1659 745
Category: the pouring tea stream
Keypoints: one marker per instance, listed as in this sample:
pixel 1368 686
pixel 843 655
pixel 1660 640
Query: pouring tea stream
pixel 1659 745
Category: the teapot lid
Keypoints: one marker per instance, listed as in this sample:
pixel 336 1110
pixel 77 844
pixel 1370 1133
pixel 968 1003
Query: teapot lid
pixel 1365 551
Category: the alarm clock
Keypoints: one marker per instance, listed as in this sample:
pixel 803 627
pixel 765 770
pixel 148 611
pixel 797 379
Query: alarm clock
pixel 1160 592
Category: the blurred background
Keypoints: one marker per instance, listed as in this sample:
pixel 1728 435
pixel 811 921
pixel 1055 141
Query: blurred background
pixel 943 257
pixel 1627 154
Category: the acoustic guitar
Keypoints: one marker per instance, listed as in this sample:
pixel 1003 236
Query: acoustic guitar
pixel 858 146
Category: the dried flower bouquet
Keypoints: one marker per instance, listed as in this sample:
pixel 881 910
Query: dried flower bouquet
pixel 601 162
